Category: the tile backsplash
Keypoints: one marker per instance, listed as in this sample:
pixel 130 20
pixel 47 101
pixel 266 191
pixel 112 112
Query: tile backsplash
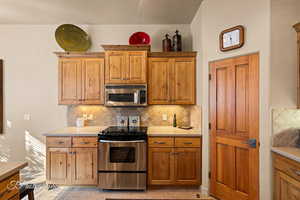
pixel 150 115
pixel 286 126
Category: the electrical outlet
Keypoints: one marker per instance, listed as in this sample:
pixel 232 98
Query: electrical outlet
pixel 164 117
pixel 8 124
pixel 27 117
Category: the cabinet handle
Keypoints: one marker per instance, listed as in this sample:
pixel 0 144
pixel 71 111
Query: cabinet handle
pixel 159 143
pixel 84 142
pixel 61 142
pixel 187 143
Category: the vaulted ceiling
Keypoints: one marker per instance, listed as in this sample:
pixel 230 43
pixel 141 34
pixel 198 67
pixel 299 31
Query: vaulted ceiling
pixel 98 11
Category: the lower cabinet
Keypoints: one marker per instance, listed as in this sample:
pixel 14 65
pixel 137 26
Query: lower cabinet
pixel 173 165
pixel 72 166
pixel 84 166
pixel 286 178
pixel 161 166
pixel 286 187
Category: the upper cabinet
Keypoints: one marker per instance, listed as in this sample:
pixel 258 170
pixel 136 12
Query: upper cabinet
pixel 125 67
pixel 126 64
pixel 81 79
pixel 172 78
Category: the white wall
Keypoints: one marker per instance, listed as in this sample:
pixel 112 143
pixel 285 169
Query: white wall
pixel 31 77
pixel 212 18
pixel 285 13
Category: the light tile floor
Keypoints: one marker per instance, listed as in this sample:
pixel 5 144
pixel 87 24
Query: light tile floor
pixel 88 193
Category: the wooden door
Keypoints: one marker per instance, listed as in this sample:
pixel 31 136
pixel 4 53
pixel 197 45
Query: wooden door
pixel 158 81
pixel 58 166
pixel 286 188
pixel 69 81
pixel 115 67
pixel 136 71
pixel 234 117
pixel 187 166
pixel 84 166
pixel 161 166
pixel 93 81
pixel 183 81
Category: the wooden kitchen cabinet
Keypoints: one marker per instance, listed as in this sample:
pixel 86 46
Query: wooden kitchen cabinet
pixel 286 178
pixel 161 169
pixel 69 165
pixel 126 67
pixel 81 80
pixel 187 165
pixel 179 164
pixel 171 80
pixel 58 166
pixel 84 166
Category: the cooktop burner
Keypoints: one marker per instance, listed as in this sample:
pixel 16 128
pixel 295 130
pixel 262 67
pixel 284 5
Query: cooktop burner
pixel 121 133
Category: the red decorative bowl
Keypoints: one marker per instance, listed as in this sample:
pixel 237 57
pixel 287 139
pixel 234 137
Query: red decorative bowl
pixel 139 38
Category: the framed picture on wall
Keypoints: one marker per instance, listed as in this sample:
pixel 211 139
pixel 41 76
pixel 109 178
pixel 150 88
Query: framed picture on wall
pixel 232 38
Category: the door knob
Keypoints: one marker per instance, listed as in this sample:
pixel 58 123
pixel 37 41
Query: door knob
pixel 251 143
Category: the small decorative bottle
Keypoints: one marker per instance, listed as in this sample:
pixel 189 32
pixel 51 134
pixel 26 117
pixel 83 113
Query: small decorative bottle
pixel 167 43
pixel 177 45
pixel 174 121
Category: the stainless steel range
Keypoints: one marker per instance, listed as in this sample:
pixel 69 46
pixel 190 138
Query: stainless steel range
pixel 123 158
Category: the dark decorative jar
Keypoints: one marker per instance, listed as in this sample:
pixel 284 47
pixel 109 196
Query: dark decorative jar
pixel 177 45
pixel 167 43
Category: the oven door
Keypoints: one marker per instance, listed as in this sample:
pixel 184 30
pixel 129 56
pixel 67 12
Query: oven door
pixel 122 155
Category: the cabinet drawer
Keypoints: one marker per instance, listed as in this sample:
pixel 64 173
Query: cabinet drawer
pixel 187 142
pixel 161 142
pixel 85 142
pixel 8 187
pixel 287 166
pixel 59 141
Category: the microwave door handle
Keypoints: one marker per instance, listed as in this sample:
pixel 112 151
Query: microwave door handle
pixel 136 98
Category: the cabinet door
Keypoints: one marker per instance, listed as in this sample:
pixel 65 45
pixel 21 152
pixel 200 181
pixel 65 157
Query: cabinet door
pixel 183 81
pixel 93 81
pixel 84 166
pixel 187 166
pixel 58 166
pixel 161 166
pixel 136 71
pixel 158 81
pixel 286 188
pixel 69 81
pixel 115 67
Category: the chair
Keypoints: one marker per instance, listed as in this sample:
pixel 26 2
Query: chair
pixel 27 190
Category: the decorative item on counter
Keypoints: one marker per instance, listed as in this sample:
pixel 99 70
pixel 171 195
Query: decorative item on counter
pixel 72 38
pixel 185 127
pixel 134 121
pixel 177 45
pixel 139 38
pixel 174 121
pixel 80 122
pixel 167 43
pixel 122 121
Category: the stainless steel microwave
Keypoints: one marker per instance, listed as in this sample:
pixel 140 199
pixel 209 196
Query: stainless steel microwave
pixel 125 95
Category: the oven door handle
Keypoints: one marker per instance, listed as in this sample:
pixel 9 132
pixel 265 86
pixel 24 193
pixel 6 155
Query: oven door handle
pixel 111 141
